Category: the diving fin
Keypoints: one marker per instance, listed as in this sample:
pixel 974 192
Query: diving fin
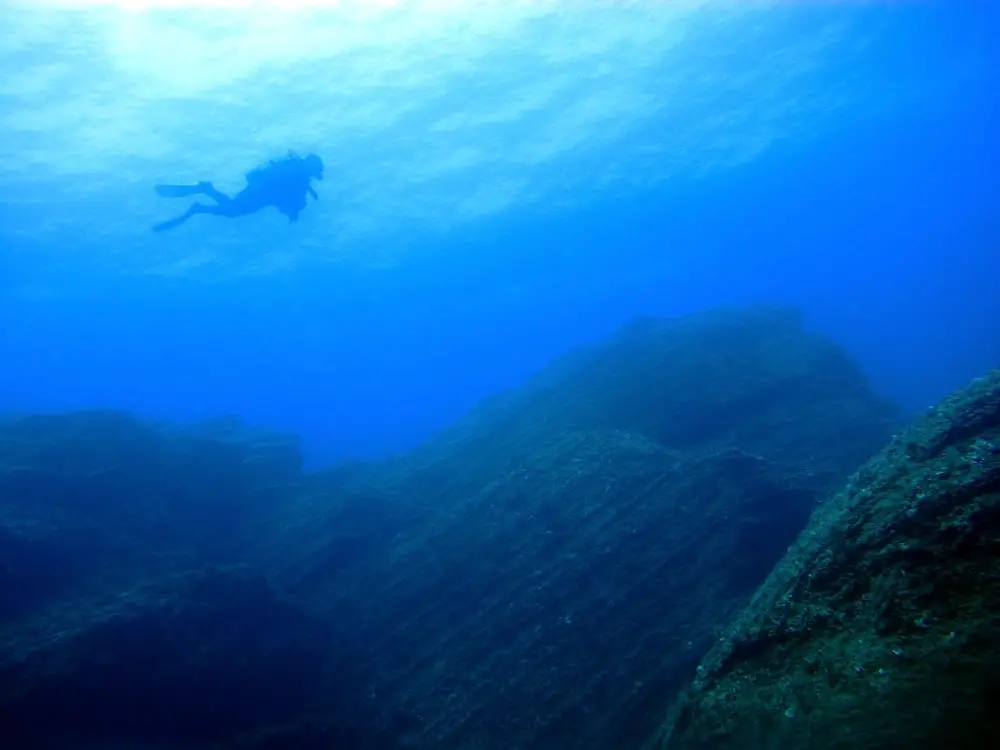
pixel 163 226
pixel 193 209
pixel 179 191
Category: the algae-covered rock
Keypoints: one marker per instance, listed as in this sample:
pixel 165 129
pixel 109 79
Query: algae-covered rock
pixel 752 379
pixel 565 554
pixel 115 615
pixel 546 573
pixel 551 590
pixel 205 654
pixel 879 629
pixel 99 499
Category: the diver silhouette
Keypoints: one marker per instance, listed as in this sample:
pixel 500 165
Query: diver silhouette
pixel 281 183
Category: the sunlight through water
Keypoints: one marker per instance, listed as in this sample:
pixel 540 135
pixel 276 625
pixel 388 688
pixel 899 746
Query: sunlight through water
pixel 431 116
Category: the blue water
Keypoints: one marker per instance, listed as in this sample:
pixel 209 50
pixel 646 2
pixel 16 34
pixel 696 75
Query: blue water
pixel 504 181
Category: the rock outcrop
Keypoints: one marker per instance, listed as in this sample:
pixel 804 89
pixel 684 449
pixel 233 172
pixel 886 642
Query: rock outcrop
pixel 125 608
pixel 582 540
pixel 547 573
pixel 878 630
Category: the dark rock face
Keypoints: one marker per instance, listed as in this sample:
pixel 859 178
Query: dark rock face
pixel 580 541
pixel 124 609
pixel 731 378
pixel 191 652
pixel 547 573
pixel 99 500
pixel 879 628
pixel 537 600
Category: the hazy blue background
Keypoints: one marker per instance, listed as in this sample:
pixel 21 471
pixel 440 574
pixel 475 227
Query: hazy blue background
pixel 504 181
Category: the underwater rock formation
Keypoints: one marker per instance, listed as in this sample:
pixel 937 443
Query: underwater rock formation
pixel 879 627
pixel 546 573
pixel 122 599
pixel 207 654
pixel 581 540
pixel 747 378
pixel 99 500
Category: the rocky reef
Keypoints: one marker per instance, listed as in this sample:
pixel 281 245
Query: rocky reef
pixel 879 627
pixel 546 573
pixel 585 537
pixel 124 595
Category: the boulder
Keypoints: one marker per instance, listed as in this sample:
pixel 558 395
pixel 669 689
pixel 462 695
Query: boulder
pixel 878 629
pixel 560 559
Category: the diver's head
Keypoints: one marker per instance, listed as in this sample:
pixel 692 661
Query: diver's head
pixel 314 166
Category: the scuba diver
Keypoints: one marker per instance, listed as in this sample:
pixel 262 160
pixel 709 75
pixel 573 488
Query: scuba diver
pixel 282 183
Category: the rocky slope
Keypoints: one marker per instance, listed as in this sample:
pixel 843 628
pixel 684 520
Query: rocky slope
pixel 581 540
pixel 879 628
pixel 546 573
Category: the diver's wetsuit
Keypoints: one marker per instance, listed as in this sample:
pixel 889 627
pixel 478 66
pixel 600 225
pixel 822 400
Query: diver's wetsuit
pixel 284 184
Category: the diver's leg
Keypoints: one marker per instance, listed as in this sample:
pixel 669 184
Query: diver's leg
pixel 184 191
pixel 207 188
pixel 243 203
pixel 230 207
pixel 177 191
pixel 195 208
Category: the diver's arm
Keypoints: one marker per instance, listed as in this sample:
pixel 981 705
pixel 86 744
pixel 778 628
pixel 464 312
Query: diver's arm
pixel 312 192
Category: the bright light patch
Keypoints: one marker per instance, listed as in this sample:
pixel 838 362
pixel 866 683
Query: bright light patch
pixel 432 116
